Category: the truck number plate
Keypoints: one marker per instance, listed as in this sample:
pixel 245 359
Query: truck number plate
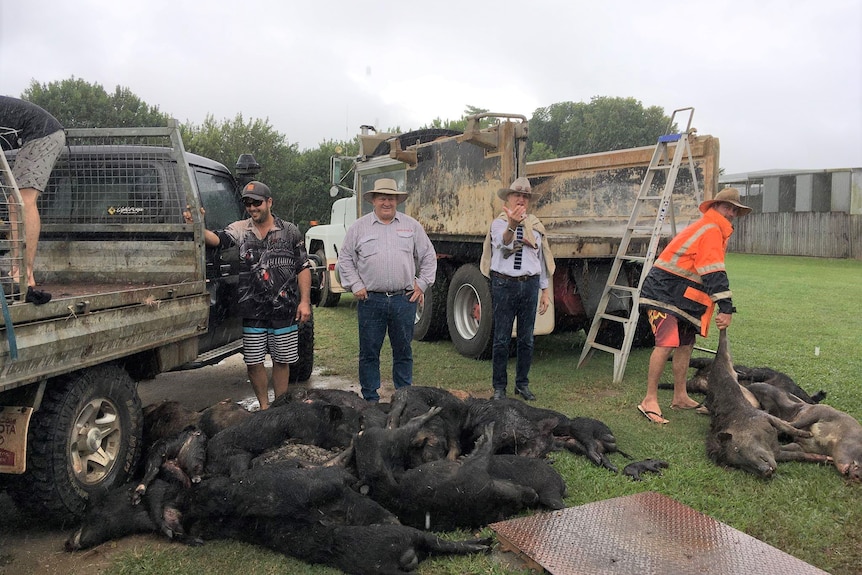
pixel 14 422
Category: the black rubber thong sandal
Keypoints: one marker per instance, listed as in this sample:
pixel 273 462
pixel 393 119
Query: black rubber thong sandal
pixel 648 413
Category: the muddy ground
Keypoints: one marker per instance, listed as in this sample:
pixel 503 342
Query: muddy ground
pixel 28 548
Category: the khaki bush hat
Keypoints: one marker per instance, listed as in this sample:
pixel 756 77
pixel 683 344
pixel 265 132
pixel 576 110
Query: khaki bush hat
pixel 386 186
pixel 729 195
pixel 521 185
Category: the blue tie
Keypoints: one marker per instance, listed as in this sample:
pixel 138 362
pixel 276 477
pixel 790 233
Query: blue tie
pixel 519 235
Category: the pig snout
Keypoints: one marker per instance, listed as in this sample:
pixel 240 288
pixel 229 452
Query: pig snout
pixel 765 467
pixel 852 471
pixel 73 543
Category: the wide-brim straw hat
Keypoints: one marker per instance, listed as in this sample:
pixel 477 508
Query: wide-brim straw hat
pixel 729 195
pixel 521 185
pixel 386 186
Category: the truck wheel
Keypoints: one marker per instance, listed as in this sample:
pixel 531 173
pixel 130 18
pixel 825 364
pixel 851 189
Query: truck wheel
pixel 611 333
pixel 430 323
pixel 84 439
pixel 469 312
pixel 316 278
pixel 301 370
pixel 643 333
pixel 327 298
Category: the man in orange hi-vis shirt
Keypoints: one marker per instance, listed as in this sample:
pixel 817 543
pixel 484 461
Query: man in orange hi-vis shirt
pixel 680 293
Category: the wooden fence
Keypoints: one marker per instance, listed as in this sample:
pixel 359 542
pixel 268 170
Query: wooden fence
pixel 817 234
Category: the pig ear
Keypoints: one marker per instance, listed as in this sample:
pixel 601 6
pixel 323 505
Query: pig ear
pixel 546 426
pixel 334 412
pixel 423 437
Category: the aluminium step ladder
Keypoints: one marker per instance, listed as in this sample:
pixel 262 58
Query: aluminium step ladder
pixel 651 208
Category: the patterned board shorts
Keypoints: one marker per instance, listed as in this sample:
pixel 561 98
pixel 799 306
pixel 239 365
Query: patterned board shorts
pixel 669 330
pixel 282 343
pixel 36 159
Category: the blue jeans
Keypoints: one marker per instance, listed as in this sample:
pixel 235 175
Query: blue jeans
pixel 378 315
pixel 513 299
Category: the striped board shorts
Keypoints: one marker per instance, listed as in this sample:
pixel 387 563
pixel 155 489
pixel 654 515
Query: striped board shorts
pixel 281 341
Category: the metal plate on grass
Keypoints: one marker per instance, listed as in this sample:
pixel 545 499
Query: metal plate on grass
pixel 643 533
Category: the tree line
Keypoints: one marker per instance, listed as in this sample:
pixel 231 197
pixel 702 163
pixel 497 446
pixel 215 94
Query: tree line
pixel 299 178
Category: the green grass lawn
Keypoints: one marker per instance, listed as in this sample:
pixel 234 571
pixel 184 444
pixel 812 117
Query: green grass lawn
pixel 787 306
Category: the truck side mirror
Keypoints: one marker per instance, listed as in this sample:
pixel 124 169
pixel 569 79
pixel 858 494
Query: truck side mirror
pixel 334 173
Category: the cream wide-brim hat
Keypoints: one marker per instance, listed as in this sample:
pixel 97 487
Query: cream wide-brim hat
pixel 521 185
pixel 386 186
pixel 729 195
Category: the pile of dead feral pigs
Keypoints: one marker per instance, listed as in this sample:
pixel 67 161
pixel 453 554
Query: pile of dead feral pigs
pixel 329 478
pixel 760 417
pixel 326 477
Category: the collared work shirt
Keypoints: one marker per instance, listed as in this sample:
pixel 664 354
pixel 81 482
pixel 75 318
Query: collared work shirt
pixel 386 257
pixel 503 255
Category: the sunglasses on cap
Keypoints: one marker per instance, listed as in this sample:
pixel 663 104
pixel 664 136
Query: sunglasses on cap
pixel 250 202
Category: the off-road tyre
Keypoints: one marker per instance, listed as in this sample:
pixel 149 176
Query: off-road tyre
pixel 470 313
pixel 612 333
pixel 644 336
pixel 301 370
pixel 430 323
pixel 85 438
pixel 327 298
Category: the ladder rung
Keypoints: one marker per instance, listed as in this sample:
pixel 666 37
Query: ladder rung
pixel 606 348
pixel 669 138
pixel 636 259
pixel 651 198
pixel 662 167
pixel 629 289
pixel 616 318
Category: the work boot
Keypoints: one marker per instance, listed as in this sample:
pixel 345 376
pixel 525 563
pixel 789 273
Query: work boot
pixel 499 394
pixel 525 393
pixel 37 297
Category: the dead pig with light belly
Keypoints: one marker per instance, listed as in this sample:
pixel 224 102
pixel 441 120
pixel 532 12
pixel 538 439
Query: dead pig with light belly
pixel 741 435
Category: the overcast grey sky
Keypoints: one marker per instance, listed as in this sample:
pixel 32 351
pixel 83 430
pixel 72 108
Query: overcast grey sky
pixel 778 82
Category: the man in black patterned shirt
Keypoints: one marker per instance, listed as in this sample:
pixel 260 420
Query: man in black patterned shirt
pixel 274 288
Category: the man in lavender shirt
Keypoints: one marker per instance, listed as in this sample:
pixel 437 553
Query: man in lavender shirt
pixel 388 262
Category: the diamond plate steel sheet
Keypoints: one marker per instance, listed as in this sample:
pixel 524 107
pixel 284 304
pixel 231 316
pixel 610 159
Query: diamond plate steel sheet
pixel 646 533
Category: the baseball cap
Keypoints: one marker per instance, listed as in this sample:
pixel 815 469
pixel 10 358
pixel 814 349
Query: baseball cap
pixel 256 190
